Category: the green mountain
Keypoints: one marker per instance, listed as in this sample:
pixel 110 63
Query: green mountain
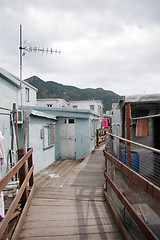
pixel 69 93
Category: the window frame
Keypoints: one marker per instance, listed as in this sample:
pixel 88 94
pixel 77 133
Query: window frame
pixel 48 135
pixel 75 107
pixel 92 107
pixel 27 94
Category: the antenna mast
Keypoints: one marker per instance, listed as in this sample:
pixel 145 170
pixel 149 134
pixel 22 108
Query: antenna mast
pixel 31 49
pixel 20 48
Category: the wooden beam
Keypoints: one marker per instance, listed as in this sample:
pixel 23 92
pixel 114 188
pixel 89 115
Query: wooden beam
pixel 97 137
pixel 13 205
pixel 22 176
pixel 116 218
pixel 30 164
pixel 23 214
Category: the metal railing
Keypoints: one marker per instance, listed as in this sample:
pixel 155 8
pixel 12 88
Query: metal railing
pixel 143 159
pixel 132 186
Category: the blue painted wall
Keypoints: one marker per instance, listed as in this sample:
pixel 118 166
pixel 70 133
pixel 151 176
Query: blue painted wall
pixel 9 93
pixel 8 96
pixel 82 138
pixel 84 143
pixel 41 157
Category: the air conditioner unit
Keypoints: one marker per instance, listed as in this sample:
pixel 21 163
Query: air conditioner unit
pixel 19 116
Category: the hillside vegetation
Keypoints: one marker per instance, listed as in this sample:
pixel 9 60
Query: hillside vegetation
pixel 52 89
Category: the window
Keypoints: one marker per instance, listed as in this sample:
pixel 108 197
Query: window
pixel 92 107
pixel 75 106
pixel 71 121
pixel 63 121
pixel 48 136
pixel 49 105
pixel 27 94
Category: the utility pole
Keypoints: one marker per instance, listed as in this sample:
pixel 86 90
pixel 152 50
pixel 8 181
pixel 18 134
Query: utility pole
pixel 30 49
pixel 21 48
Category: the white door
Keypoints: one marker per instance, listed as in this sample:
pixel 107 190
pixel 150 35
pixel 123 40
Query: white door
pixel 67 138
pixel 63 138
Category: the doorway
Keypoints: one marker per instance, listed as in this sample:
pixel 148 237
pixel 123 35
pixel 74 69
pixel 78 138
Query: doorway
pixel 67 138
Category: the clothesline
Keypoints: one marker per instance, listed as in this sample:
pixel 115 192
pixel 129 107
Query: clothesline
pixel 5 109
pixel 2 113
pixel 149 116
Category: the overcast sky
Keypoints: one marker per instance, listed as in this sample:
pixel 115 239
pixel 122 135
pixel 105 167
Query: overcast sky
pixel 112 44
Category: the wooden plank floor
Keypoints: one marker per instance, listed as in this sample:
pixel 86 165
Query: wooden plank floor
pixel 69 203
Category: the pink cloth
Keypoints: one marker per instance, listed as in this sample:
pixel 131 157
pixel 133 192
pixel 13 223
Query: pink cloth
pixel 2 158
pixel 105 122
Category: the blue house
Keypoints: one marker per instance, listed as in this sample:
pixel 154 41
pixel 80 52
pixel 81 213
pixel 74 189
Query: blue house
pixel 38 132
pixel 29 127
pixel 75 131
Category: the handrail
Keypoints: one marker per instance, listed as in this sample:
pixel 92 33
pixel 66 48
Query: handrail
pixel 5 180
pixel 146 185
pixel 23 185
pixel 100 139
pixel 135 143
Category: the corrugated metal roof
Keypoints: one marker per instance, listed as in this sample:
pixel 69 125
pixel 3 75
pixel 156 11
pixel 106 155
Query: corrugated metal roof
pixel 42 114
pixel 143 98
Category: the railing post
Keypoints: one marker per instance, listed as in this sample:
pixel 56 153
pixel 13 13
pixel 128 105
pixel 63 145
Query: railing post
pixel 106 161
pixel 128 132
pixel 97 137
pixel 30 164
pixel 22 176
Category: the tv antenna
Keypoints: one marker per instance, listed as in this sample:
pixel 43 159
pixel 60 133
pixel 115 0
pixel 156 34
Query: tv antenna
pixel 31 49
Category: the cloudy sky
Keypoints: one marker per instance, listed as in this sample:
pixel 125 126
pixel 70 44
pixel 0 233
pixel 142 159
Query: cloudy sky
pixel 113 44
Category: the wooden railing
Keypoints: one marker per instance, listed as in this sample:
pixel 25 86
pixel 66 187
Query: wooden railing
pixel 25 178
pixel 133 177
pixel 101 136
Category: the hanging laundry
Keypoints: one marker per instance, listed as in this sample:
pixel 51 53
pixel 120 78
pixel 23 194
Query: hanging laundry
pixel 2 158
pixel 142 127
pixel 105 122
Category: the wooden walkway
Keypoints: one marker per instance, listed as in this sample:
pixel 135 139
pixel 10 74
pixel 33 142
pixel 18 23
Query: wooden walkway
pixel 68 203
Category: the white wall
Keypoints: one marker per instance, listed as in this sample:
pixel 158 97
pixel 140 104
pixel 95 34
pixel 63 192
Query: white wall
pixel 54 103
pixel 28 100
pixel 61 103
pixel 98 106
